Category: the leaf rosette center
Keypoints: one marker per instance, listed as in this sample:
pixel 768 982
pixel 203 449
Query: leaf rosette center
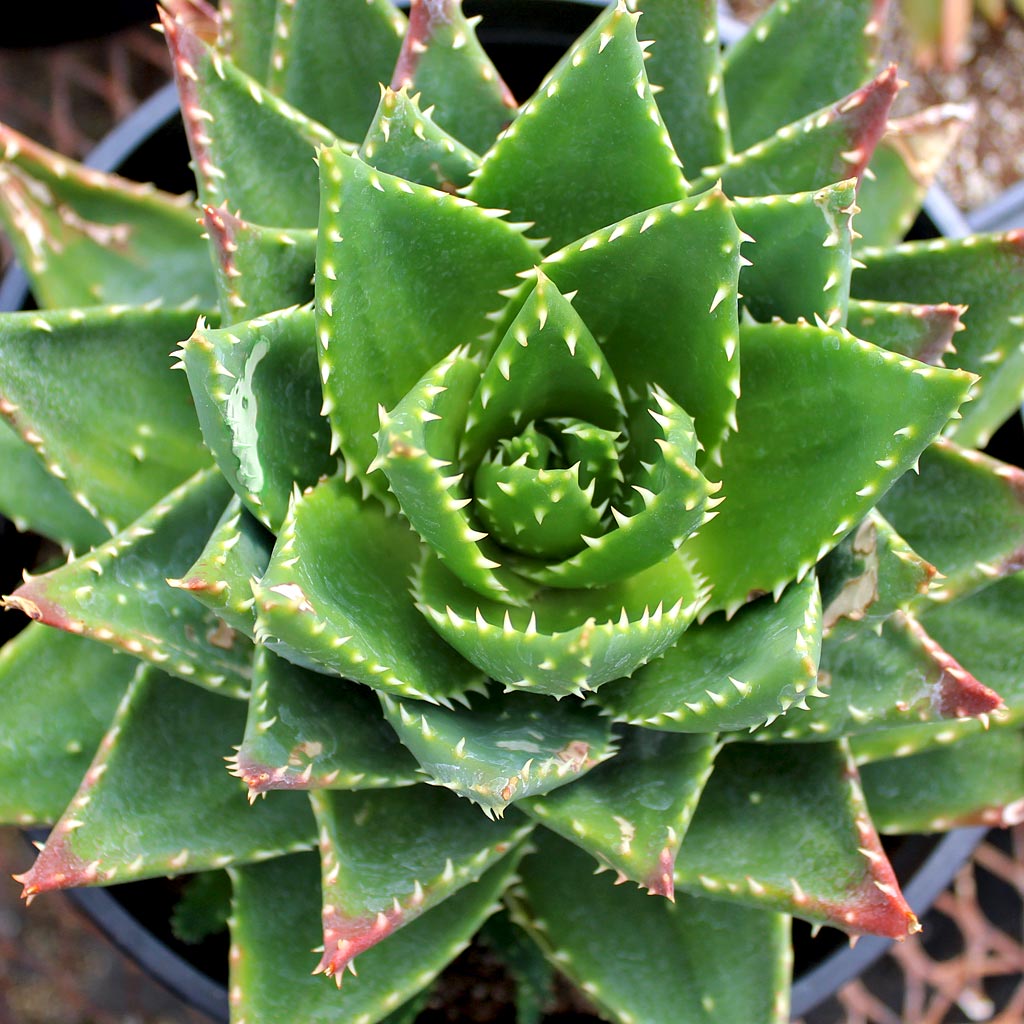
pixel 551 521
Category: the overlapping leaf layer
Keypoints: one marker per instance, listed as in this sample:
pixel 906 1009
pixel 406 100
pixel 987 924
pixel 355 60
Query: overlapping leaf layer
pixel 537 453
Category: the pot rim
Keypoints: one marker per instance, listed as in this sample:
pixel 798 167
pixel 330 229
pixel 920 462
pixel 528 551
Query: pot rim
pixel 201 992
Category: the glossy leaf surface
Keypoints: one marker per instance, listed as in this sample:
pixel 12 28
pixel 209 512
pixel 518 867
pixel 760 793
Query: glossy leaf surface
pixel 237 552
pixel 97 595
pixel 35 500
pixel 652 960
pixel 761 804
pixel 504 746
pixel 978 781
pixel 327 59
pixel 335 597
pixel 632 813
pixel 729 674
pixel 282 898
pixel 373 350
pixel 827 48
pixel 250 149
pixel 117 458
pixel 165 740
pixel 884 411
pixel 86 238
pixel 306 731
pixel 982 273
pixel 610 166
pixel 258 398
pixel 389 856
pixel 43 757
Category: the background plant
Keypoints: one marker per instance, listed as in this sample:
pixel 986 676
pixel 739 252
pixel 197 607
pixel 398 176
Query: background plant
pixel 665 544
pixel 940 29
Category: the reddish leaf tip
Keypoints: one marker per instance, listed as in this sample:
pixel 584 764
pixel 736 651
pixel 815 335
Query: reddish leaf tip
pixel 201 18
pixel 661 881
pixel 56 867
pixel 346 937
pixel 868 112
pixel 955 693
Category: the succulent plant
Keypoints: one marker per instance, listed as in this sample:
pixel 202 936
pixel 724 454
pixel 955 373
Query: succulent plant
pixel 538 497
pixel 940 29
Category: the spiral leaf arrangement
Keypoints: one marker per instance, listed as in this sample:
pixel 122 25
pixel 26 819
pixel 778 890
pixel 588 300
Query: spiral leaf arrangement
pixel 537 498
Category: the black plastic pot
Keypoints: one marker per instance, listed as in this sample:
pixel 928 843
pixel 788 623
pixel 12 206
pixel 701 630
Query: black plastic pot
pixel 67 21
pixel 149 146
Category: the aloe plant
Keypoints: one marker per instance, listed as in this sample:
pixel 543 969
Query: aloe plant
pixel 940 29
pixel 549 489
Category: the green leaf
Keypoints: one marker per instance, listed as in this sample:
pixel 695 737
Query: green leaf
pixel 655 517
pixel 653 279
pixel 442 59
pixel 117 593
pixel 799 254
pixel 978 781
pixel 247 33
pixel 533 976
pixel 559 370
pixel 902 170
pixel 258 269
pixel 786 828
pixel 238 551
pixel 650 960
pixel 832 144
pixel 327 58
pixel 726 675
pixel 632 813
pixel 305 731
pixel 505 747
pixel 982 272
pixel 276 923
pixel 249 148
pixel 422 472
pixel 563 641
pixel 335 597
pixel 796 58
pixel 203 908
pixel 872 573
pixel 86 238
pixel 157 801
pixel 44 756
pixel 116 458
pixel 985 631
pixel 37 501
pixel 617 157
pixel 964 512
pixel 391 855
pixel 381 333
pixel 883 411
pixel 536 510
pixel 405 141
pixel 265 444
pixel 879 680
pixel 921 332
pixel 686 63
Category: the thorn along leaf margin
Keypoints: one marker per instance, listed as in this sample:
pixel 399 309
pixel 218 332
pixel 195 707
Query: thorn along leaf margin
pixel 551 452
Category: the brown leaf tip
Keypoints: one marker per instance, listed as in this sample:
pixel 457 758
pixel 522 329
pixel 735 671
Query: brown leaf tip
pixel 200 17
pixel 868 110
pixel 661 881
pixel 955 693
pixel 346 937
pixel 57 866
